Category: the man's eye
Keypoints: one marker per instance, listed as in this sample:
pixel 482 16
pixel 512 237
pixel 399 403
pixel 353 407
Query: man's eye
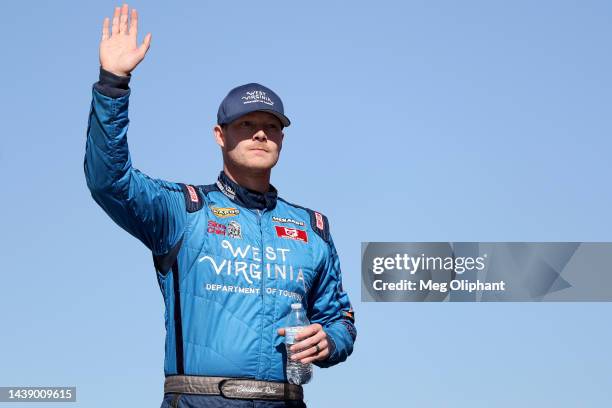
pixel 245 124
pixel 272 126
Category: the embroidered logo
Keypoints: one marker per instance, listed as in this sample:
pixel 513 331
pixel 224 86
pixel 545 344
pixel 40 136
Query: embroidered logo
pixel 291 233
pixel 350 314
pixel 256 96
pixel 224 212
pixel 227 190
pixel 216 228
pixel 288 221
pixel 233 230
pixel 244 389
pixel 319 218
pixel 193 196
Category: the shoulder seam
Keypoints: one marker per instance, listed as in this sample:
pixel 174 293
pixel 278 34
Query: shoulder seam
pixel 295 205
pixel 207 188
pixel 318 222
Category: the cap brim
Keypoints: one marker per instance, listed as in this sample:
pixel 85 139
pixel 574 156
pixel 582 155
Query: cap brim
pixel 283 119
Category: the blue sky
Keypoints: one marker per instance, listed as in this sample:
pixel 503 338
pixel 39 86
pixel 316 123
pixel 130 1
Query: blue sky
pixel 412 121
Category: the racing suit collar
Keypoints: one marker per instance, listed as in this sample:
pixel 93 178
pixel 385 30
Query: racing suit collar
pixel 246 197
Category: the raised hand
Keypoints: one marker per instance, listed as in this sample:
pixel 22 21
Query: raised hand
pixel 119 50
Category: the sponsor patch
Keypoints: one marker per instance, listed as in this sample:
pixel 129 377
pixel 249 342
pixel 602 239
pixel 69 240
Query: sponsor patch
pixel 193 196
pixel 227 190
pixel 288 221
pixel 291 233
pixel 224 212
pixel 216 228
pixel 319 218
pixel 234 230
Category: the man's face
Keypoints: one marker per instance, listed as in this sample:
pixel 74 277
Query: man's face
pixel 252 142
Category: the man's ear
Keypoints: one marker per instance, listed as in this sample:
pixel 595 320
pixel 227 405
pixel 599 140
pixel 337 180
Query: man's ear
pixel 219 136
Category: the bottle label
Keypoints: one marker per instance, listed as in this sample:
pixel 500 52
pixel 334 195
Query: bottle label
pixel 290 333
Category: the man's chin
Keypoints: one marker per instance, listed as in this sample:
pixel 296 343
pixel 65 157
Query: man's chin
pixel 258 167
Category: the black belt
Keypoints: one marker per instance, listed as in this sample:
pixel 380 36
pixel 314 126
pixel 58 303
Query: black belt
pixel 241 388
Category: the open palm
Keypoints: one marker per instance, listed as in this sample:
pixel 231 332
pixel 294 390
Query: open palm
pixel 119 50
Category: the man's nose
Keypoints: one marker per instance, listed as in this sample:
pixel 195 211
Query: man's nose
pixel 260 135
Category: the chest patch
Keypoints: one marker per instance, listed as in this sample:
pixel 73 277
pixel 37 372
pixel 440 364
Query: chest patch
pixel 234 230
pixel 224 212
pixel 284 220
pixel 291 233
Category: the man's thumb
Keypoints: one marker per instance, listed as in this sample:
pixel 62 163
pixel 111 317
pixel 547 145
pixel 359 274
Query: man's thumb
pixel 144 47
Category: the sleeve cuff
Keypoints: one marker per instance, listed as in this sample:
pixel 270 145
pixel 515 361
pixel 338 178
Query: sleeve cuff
pixel 111 85
pixel 341 341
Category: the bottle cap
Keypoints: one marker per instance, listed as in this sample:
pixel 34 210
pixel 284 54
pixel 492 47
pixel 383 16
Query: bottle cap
pixel 295 306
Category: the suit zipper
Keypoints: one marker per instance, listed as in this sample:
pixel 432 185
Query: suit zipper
pixel 262 284
pixel 261 251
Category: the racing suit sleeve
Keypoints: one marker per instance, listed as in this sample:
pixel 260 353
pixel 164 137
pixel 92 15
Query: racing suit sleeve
pixel 152 210
pixel 329 305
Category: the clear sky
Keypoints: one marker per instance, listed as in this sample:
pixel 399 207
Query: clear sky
pixel 412 121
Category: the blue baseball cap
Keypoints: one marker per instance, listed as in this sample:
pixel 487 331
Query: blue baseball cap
pixel 250 98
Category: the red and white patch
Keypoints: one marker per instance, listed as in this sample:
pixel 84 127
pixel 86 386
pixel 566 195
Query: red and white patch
pixel 291 233
pixel 319 218
pixel 193 196
pixel 216 228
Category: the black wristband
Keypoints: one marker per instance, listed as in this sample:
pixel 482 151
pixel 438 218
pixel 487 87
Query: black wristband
pixel 112 85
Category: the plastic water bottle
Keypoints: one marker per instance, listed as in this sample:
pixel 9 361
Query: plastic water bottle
pixel 297 373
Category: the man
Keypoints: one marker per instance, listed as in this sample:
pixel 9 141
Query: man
pixel 231 257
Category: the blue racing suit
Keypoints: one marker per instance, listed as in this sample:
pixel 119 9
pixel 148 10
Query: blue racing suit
pixel 229 261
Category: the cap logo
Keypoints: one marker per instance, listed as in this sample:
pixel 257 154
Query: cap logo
pixel 256 96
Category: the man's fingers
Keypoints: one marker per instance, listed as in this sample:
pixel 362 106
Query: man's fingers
pixel 134 24
pixel 105 29
pixel 123 25
pixel 281 332
pixel 308 331
pixel 309 342
pixel 305 353
pixel 144 47
pixel 323 352
pixel 115 28
pixel 321 356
